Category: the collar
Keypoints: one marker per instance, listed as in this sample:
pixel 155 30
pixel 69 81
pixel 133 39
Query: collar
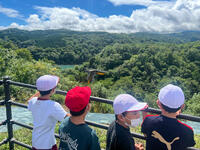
pixel 42 99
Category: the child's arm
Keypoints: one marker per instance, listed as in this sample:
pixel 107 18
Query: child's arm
pixel 67 110
pixel 37 94
pixel 68 115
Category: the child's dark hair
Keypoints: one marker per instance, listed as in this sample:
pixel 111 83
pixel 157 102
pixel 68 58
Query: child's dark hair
pixel 123 114
pixel 78 113
pixel 42 93
pixel 170 110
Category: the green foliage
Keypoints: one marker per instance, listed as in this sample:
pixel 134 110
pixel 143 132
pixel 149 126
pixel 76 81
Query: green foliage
pixel 69 47
pixel 150 67
pixel 24 135
pixel 193 105
pixel 19 65
pixel 24 53
pixel 139 64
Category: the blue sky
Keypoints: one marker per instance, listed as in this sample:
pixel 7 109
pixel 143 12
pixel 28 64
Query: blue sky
pixel 127 16
pixel 102 8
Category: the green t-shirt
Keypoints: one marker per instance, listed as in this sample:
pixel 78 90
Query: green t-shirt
pixel 77 137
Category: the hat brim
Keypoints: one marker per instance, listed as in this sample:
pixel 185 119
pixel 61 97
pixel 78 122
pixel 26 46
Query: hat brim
pixel 138 107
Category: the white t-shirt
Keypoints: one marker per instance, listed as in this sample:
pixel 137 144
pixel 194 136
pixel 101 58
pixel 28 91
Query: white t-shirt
pixel 45 114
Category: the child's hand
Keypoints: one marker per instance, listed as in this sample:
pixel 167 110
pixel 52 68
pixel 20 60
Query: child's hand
pixel 139 146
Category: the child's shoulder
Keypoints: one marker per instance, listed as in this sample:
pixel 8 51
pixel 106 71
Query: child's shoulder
pixel 184 125
pixel 151 117
pixel 32 100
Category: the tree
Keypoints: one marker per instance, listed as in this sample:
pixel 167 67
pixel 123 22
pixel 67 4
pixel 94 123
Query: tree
pixel 193 105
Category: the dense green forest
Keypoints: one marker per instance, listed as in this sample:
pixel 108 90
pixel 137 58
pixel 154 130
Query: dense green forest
pixel 138 64
pixel 69 47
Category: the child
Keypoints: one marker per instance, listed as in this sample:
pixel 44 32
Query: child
pixel 46 113
pixel 75 134
pixel 165 132
pixel 126 109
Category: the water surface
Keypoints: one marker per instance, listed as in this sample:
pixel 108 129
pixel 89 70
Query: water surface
pixel 22 115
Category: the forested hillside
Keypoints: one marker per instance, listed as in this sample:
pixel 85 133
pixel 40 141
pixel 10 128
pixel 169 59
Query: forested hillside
pixel 70 47
pixel 139 64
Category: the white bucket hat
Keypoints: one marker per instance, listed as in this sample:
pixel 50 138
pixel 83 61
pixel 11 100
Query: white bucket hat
pixel 171 96
pixel 126 102
pixel 46 82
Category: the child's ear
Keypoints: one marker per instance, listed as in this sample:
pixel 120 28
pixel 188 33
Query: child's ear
pixel 88 107
pixel 53 90
pixel 179 111
pixel 183 106
pixel 120 117
pixel 158 103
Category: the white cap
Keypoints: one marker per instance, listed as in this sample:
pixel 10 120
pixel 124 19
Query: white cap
pixel 46 82
pixel 126 102
pixel 171 96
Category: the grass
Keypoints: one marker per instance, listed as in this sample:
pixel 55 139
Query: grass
pixel 24 135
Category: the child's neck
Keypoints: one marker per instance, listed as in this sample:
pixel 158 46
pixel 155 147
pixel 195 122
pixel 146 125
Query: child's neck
pixel 45 97
pixel 78 119
pixel 169 115
pixel 122 124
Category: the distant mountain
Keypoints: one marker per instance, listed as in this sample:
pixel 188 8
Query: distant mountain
pixel 57 38
pixel 189 36
pixel 71 47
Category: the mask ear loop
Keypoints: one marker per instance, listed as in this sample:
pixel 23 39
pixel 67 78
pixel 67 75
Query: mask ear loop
pixel 125 121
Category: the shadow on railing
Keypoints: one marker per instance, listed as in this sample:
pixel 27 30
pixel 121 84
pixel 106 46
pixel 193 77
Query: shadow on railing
pixel 9 122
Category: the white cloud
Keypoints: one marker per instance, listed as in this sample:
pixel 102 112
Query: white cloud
pixel 146 3
pixel 10 12
pixel 180 15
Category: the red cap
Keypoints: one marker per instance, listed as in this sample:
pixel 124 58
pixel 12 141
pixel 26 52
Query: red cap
pixel 77 98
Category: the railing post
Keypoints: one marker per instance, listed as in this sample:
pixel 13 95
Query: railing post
pixel 8 112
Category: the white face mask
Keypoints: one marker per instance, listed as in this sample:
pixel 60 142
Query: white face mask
pixel 134 122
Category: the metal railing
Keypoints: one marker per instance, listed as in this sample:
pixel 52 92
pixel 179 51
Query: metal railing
pixel 6 82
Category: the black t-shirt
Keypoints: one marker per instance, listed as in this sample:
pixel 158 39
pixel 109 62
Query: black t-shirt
pixel 165 133
pixel 119 138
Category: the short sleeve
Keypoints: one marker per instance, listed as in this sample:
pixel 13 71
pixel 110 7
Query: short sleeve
pixel 190 139
pixel 58 112
pixel 29 105
pixel 95 141
pixel 31 102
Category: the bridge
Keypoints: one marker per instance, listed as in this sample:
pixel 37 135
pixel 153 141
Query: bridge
pixel 7 102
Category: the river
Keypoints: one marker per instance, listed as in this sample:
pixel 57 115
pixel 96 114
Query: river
pixel 24 116
pixel 66 66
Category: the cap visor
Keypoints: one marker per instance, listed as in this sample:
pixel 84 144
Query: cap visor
pixel 138 107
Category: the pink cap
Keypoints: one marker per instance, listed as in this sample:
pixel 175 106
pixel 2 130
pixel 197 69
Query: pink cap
pixel 46 82
pixel 126 102
pixel 171 96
